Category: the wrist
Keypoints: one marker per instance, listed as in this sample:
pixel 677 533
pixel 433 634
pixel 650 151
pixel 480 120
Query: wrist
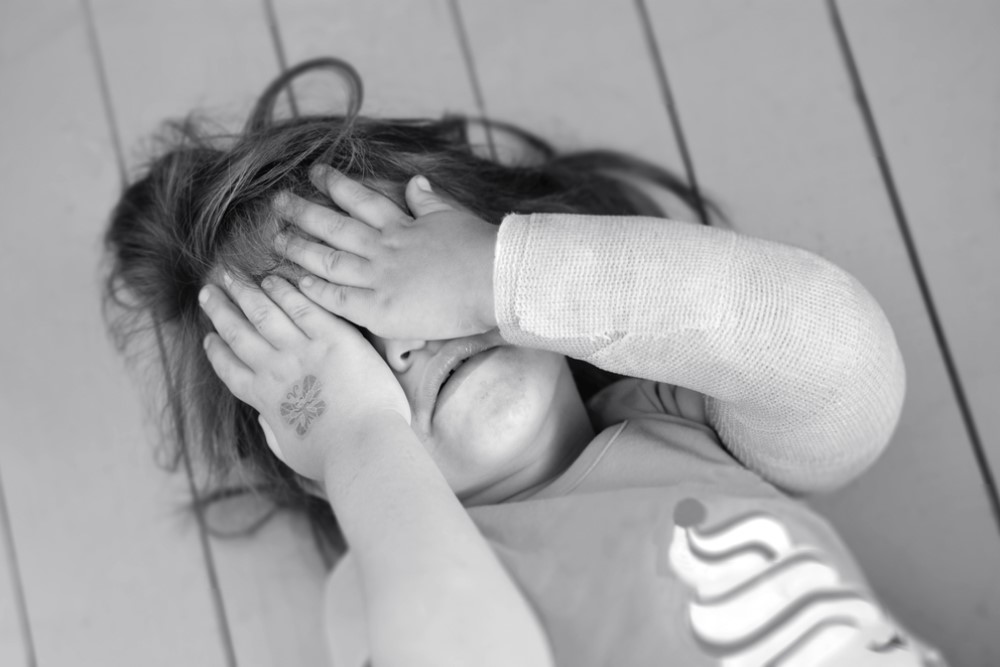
pixel 360 442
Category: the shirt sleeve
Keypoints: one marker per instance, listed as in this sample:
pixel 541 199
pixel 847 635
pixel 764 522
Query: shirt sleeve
pixel 803 378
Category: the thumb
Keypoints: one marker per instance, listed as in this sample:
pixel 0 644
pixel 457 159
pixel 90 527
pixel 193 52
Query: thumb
pixel 421 200
pixel 272 441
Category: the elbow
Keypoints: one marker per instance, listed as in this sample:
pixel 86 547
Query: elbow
pixel 841 448
pixel 858 424
pixel 842 386
pixel 873 397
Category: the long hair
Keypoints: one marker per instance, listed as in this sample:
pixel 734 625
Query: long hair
pixel 203 203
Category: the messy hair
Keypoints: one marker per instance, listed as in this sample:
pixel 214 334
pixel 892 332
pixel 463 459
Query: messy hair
pixel 203 204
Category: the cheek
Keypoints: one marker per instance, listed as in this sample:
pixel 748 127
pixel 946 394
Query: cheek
pixel 498 421
pixel 498 429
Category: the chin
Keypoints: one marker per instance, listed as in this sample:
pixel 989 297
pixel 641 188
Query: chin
pixel 501 419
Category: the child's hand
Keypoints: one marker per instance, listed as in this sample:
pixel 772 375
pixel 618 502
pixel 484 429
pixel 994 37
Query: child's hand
pixel 429 278
pixel 313 377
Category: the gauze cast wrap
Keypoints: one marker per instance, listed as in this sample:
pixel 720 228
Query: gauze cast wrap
pixel 803 377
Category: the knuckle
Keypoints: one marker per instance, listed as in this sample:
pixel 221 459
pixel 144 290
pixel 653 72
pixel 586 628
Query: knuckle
pixel 279 373
pixel 300 311
pixel 323 295
pixel 359 193
pixel 259 316
pixel 333 226
pixel 383 273
pixel 228 378
pixel 331 298
pixel 396 239
pixel 318 348
pixel 331 260
pixel 366 270
pixel 340 296
pixel 229 333
pixel 336 298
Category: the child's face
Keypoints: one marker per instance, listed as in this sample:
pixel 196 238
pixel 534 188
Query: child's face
pixel 515 421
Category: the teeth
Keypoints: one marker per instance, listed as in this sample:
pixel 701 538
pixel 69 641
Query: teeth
pixel 448 376
pixel 453 370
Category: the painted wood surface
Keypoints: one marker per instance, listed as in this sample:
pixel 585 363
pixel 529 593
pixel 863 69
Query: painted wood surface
pixel 581 80
pixel 113 570
pixel 407 52
pixel 163 61
pixel 15 642
pixel 933 79
pixel 111 573
pixel 773 126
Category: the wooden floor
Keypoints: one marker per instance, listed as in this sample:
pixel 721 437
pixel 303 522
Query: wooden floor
pixel 99 565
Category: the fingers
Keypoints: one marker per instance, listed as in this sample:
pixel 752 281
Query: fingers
pixel 336 266
pixel 334 229
pixel 266 317
pixel 350 303
pixel 422 200
pixel 305 313
pixel 359 201
pixel 234 329
pixel 233 372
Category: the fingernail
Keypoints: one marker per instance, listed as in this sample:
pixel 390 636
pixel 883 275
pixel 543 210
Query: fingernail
pixel 267 282
pixel 280 241
pixel 424 184
pixel 307 281
pixel 203 295
pixel 228 279
pixel 205 342
pixel 279 200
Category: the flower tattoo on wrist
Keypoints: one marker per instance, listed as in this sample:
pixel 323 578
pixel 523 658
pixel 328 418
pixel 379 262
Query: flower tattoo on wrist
pixel 304 405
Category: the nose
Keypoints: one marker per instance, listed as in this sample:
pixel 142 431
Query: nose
pixel 398 353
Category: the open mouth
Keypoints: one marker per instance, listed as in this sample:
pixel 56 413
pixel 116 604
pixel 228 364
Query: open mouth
pixel 451 374
pixel 458 375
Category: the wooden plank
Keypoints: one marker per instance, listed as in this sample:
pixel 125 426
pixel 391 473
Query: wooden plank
pixel 15 640
pixel 407 53
pixel 772 125
pixel 271 583
pixel 167 59
pixel 581 79
pixel 934 104
pixel 109 574
pixel 273 587
pixel 930 74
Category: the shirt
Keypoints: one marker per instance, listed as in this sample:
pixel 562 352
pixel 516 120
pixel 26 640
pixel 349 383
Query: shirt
pixel 672 541
pixel 658 547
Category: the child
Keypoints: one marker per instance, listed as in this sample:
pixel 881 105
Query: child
pixel 646 523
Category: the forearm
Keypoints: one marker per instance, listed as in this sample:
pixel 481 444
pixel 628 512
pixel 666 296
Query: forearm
pixel 436 593
pixel 804 378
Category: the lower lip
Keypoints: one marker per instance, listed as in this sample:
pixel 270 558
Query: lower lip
pixel 460 376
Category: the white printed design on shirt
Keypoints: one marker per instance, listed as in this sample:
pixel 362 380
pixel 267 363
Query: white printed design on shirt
pixel 761 600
